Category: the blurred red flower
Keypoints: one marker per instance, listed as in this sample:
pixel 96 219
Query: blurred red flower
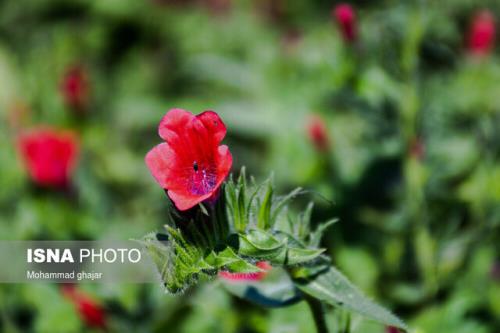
pixel 265 266
pixel 75 88
pixel 191 165
pixel 481 38
pixel 49 155
pixel 346 21
pixel 318 133
pixel 91 312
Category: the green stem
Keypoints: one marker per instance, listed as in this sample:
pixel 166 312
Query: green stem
pixel 318 313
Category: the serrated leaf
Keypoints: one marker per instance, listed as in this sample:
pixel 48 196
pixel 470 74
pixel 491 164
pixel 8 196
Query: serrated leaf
pixel 334 288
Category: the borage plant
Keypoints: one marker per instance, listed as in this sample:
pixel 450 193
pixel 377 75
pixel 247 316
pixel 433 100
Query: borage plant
pixel 238 229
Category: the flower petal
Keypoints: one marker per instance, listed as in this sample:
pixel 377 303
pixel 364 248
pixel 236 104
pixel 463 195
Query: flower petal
pixel 160 161
pixel 185 134
pixel 184 201
pixel 225 161
pixel 214 125
pixel 172 121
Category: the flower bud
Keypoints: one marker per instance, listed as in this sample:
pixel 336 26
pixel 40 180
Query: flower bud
pixel 75 88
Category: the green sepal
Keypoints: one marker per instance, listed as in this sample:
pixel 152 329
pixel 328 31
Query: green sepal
pixel 261 245
pixel 264 217
pixel 229 260
pixel 316 235
pixel 264 246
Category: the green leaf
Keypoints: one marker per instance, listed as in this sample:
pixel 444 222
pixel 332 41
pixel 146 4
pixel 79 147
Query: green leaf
pixel 316 235
pixel 264 246
pixel 242 188
pixel 263 221
pixel 276 290
pixel 298 256
pixel 179 264
pixel 261 245
pixel 334 288
pixel 283 202
pixel 228 259
pixel 304 224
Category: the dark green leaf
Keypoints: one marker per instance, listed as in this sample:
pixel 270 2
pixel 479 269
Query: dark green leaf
pixel 334 288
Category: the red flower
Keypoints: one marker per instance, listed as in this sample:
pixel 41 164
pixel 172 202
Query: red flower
pixel 49 155
pixel 481 38
pixel 346 20
pixel 191 165
pixel 257 276
pixel 91 312
pixel 75 88
pixel 318 134
pixel 391 329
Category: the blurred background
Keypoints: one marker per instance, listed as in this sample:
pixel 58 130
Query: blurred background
pixel 387 112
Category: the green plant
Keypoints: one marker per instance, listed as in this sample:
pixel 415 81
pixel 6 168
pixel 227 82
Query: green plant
pixel 250 223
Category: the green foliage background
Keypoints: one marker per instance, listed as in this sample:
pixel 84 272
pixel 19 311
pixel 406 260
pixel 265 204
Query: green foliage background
pixel 418 234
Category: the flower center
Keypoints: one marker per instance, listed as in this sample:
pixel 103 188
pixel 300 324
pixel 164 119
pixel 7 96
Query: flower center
pixel 202 180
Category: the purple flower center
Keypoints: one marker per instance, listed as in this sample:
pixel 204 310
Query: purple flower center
pixel 202 180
